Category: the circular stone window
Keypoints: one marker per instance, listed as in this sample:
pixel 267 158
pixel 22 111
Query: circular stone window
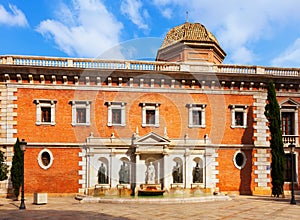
pixel 45 159
pixel 239 159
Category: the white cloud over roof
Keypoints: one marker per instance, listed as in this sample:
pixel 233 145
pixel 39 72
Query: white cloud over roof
pixel 12 17
pixel 238 25
pixel 133 8
pixel 290 57
pixel 86 28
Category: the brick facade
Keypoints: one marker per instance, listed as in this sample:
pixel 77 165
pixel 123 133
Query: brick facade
pixel 222 92
pixel 62 177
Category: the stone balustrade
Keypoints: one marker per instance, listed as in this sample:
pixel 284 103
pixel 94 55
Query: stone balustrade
pixel 144 65
pixel 290 139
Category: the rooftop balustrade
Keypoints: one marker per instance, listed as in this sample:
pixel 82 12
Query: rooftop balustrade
pixel 144 65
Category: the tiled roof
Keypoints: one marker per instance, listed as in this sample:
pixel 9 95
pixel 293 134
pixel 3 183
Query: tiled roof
pixel 189 32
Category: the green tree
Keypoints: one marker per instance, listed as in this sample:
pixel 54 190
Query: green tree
pixel 272 112
pixel 16 169
pixel 3 168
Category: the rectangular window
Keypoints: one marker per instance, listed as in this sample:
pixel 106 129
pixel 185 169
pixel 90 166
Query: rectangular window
pixel 287 123
pixel 116 113
pixel 45 112
pixel 150 114
pixel 238 116
pixel 81 112
pixel 289 169
pixel 196 115
pixel 150 117
pixel 80 115
pixel 116 116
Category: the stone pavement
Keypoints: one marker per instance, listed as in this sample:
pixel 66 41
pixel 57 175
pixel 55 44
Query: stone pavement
pixel 239 207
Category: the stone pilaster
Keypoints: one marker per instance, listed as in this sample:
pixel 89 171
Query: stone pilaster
pixel 8 114
pixel 83 171
pixel 262 171
pixel 211 169
pixel 260 122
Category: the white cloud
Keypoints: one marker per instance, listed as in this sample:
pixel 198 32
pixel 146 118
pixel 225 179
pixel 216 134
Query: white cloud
pixel 14 17
pixel 86 28
pixel 167 13
pixel 132 8
pixel 290 57
pixel 238 25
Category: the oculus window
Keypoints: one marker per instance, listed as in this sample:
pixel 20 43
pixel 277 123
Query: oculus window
pixel 239 159
pixel 45 159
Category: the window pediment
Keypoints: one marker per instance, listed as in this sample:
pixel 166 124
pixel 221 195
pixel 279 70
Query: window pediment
pixel 289 103
pixel 152 139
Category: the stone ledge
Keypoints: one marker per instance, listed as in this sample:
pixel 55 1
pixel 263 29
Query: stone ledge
pixel 155 200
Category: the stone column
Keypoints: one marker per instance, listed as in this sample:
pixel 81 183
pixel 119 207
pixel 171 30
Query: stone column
pixel 113 174
pixel 138 172
pixel 166 172
pixel 188 168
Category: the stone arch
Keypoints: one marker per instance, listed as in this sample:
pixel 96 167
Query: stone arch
pixel 177 170
pixel 124 171
pixel 103 171
pixel 154 162
pixel 198 170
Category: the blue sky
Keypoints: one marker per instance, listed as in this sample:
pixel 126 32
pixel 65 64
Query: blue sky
pixel 252 32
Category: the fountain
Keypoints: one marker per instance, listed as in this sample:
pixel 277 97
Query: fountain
pixel 150 190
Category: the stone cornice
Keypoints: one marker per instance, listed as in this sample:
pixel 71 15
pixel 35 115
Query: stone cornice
pixel 137 74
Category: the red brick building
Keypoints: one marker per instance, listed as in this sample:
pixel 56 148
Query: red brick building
pixel 186 109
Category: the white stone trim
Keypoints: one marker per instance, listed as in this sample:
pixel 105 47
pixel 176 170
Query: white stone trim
pixel 40 103
pixel 119 106
pixel 262 168
pixel 244 159
pixel 234 108
pixel 40 162
pixel 150 106
pixel 196 107
pixel 81 104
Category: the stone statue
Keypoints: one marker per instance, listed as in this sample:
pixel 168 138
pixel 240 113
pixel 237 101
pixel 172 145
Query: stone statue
pixel 197 174
pixel 102 175
pixel 150 173
pixel 124 174
pixel 177 174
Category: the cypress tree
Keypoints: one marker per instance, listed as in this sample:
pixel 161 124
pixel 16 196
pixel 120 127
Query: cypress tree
pixel 3 168
pixel 272 112
pixel 16 169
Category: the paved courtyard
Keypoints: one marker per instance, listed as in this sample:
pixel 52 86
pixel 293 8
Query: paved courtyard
pixel 239 207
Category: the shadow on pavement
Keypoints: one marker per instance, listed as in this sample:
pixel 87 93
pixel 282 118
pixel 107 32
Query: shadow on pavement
pixel 53 214
pixel 285 200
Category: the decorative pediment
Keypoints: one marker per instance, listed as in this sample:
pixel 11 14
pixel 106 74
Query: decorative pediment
pixel 152 139
pixel 289 103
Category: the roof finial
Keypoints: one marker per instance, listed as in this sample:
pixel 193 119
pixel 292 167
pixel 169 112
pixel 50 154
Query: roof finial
pixel 187 16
